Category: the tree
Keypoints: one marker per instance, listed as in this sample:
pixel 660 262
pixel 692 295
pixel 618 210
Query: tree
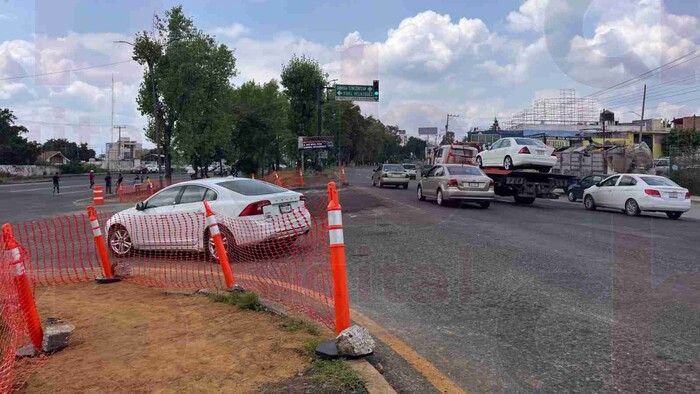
pixel 682 142
pixel 495 126
pixel 415 146
pixel 448 138
pixel 192 87
pixel 15 149
pixel 301 78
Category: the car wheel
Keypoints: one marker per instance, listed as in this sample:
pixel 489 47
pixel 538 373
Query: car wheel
pixel 479 163
pixel 589 203
pixel 440 200
pixel 210 246
pixel 674 215
pixel 119 241
pixel 524 200
pixel 421 197
pixel 571 195
pixel 485 204
pixel 631 207
pixel 544 170
pixel 374 184
pixel 508 163
pixel 381 185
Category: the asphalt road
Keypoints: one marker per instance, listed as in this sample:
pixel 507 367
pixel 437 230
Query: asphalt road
pixel 548 297
pixel 25 201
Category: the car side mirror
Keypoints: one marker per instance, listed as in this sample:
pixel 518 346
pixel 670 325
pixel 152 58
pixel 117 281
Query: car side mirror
pixel 599 184
pixel 141 206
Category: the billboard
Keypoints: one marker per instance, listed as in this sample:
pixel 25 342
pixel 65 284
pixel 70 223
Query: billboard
pixel 315 142
pixel 427 131
pixel 402 132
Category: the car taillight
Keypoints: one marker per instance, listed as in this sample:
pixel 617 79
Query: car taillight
pixel 303 199
pixel 652 192
pixel 491 184
pixel 452 183
pixel 524 151
pixel 255 208
pixel 687 195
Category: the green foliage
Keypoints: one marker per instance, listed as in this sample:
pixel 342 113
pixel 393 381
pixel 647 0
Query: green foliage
pixel 15 149
pixel 301 78
pixel 448 138
pixel 415 146
pixel 70 150
pixel 495 126
pixel 338 375
pixel 246 300
pixel 682 141
pixel 292 325
pixel 76 167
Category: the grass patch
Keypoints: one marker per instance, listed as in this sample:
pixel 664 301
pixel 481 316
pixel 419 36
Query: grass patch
pixel 292 325
pixel 337 375
pixel 245 300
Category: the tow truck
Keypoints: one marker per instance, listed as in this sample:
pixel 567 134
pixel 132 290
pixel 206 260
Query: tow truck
pixel 526 186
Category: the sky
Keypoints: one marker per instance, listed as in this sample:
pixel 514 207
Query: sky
pixel 475 59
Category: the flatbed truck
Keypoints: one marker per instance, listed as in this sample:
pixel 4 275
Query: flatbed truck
pixel 526 186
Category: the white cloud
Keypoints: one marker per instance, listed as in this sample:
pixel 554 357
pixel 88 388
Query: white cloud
pixel 530 16
pixel 233 31
pixel 526 56
pixel 7 17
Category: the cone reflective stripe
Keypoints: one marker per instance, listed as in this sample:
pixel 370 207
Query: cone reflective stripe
pixel 120 192
pixel 277 178
pixel 100 244
pixel 344 178
pixel 24 289
pixel 98 197
pixel 301 177
pixel 215 233
pixel 337 245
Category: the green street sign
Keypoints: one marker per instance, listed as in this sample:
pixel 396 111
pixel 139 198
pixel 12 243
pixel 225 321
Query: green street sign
pixel 356 93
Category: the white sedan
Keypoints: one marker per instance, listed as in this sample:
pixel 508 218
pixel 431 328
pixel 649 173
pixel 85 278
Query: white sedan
pixel 636 193
pixel 174 218
pixel 512 153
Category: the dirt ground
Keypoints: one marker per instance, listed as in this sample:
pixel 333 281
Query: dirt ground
pixel 131 338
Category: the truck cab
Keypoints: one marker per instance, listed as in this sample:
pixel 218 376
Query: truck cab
pixel 455 153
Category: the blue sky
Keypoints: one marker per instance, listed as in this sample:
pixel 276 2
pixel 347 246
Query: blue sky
pixel 477 59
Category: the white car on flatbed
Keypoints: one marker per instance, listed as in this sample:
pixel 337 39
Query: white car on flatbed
pixel 518 153
pixel 636 193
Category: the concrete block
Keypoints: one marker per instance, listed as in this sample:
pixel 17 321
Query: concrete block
pixel 57 333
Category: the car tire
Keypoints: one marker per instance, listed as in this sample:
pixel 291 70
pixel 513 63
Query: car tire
pixel 632 207
pixel 119 241
pixel 405 186
pixel 544 170
pixel 229 242
pixel 508 163
pixel 479 162
pixel 421 197
pixel 674 215
pixel 440 199
pixel 381 185
pixel 374 184
pixel 485 204
pixel 524 200
pixel 589 203
pixel 571 195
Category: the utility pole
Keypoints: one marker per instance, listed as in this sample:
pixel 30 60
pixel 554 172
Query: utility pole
pixel 119 144
pixel 111 141
pixel 644 101
pixel 447 124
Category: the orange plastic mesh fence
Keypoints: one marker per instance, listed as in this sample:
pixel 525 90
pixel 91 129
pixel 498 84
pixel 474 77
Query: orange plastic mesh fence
pixel 292 179
pixel 13 329
pixel 283 255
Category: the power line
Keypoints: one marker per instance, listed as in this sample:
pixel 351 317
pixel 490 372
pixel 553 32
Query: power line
pixel 65 71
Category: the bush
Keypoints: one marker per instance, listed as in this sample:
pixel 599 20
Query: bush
pixel 76 167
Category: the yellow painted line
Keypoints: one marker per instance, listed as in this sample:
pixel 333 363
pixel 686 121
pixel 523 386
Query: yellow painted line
pixel 439 380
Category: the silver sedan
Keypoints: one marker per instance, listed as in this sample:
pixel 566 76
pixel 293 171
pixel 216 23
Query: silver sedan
pixel 456 182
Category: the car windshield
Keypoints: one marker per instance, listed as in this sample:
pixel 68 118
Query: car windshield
pixel 393 167
pixel 251 187
pixel 529 142
pixel 464 170
pixel 409 166
pixel 658 181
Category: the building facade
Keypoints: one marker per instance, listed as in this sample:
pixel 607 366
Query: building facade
pixel 122 155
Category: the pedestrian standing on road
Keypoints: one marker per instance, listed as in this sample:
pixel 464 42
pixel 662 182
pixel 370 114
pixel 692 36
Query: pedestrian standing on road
pixel 91 176
pixel 108 183
pixel 137 183
pixel 149 185
pixel 120 180
pixel 55 184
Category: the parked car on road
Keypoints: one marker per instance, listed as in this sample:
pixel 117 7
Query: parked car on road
pixel 390 175
pixel 575 190
pixel 139 170
pixel 173 218
pixel 411 169
pixel 635 193
pixel 456 182
pixel 518 153
pixel 662 166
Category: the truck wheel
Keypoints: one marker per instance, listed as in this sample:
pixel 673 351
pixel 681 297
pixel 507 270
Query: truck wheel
pixel 485 204
pixel 507 163
pixel 405 186
pixel 524 200
pixel 571 195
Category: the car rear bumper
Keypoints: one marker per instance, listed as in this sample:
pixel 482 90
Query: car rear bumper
pixel 394 181
pixel 534 161
pixel 651 204
pixel 456 194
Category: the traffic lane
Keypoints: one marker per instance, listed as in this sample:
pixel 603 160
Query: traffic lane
pixel 523 282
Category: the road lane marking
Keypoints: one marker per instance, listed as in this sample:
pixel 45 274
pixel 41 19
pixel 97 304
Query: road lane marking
pixel 43 188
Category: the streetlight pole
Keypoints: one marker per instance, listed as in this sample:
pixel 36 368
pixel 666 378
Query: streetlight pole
pixel 156 126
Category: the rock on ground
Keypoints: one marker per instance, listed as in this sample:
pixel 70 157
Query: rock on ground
pixel 56 335
pixel 121 269
pixel 355 341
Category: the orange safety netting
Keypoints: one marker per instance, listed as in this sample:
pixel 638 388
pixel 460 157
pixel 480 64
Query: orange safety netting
pixel 293 179
pixel 284 257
